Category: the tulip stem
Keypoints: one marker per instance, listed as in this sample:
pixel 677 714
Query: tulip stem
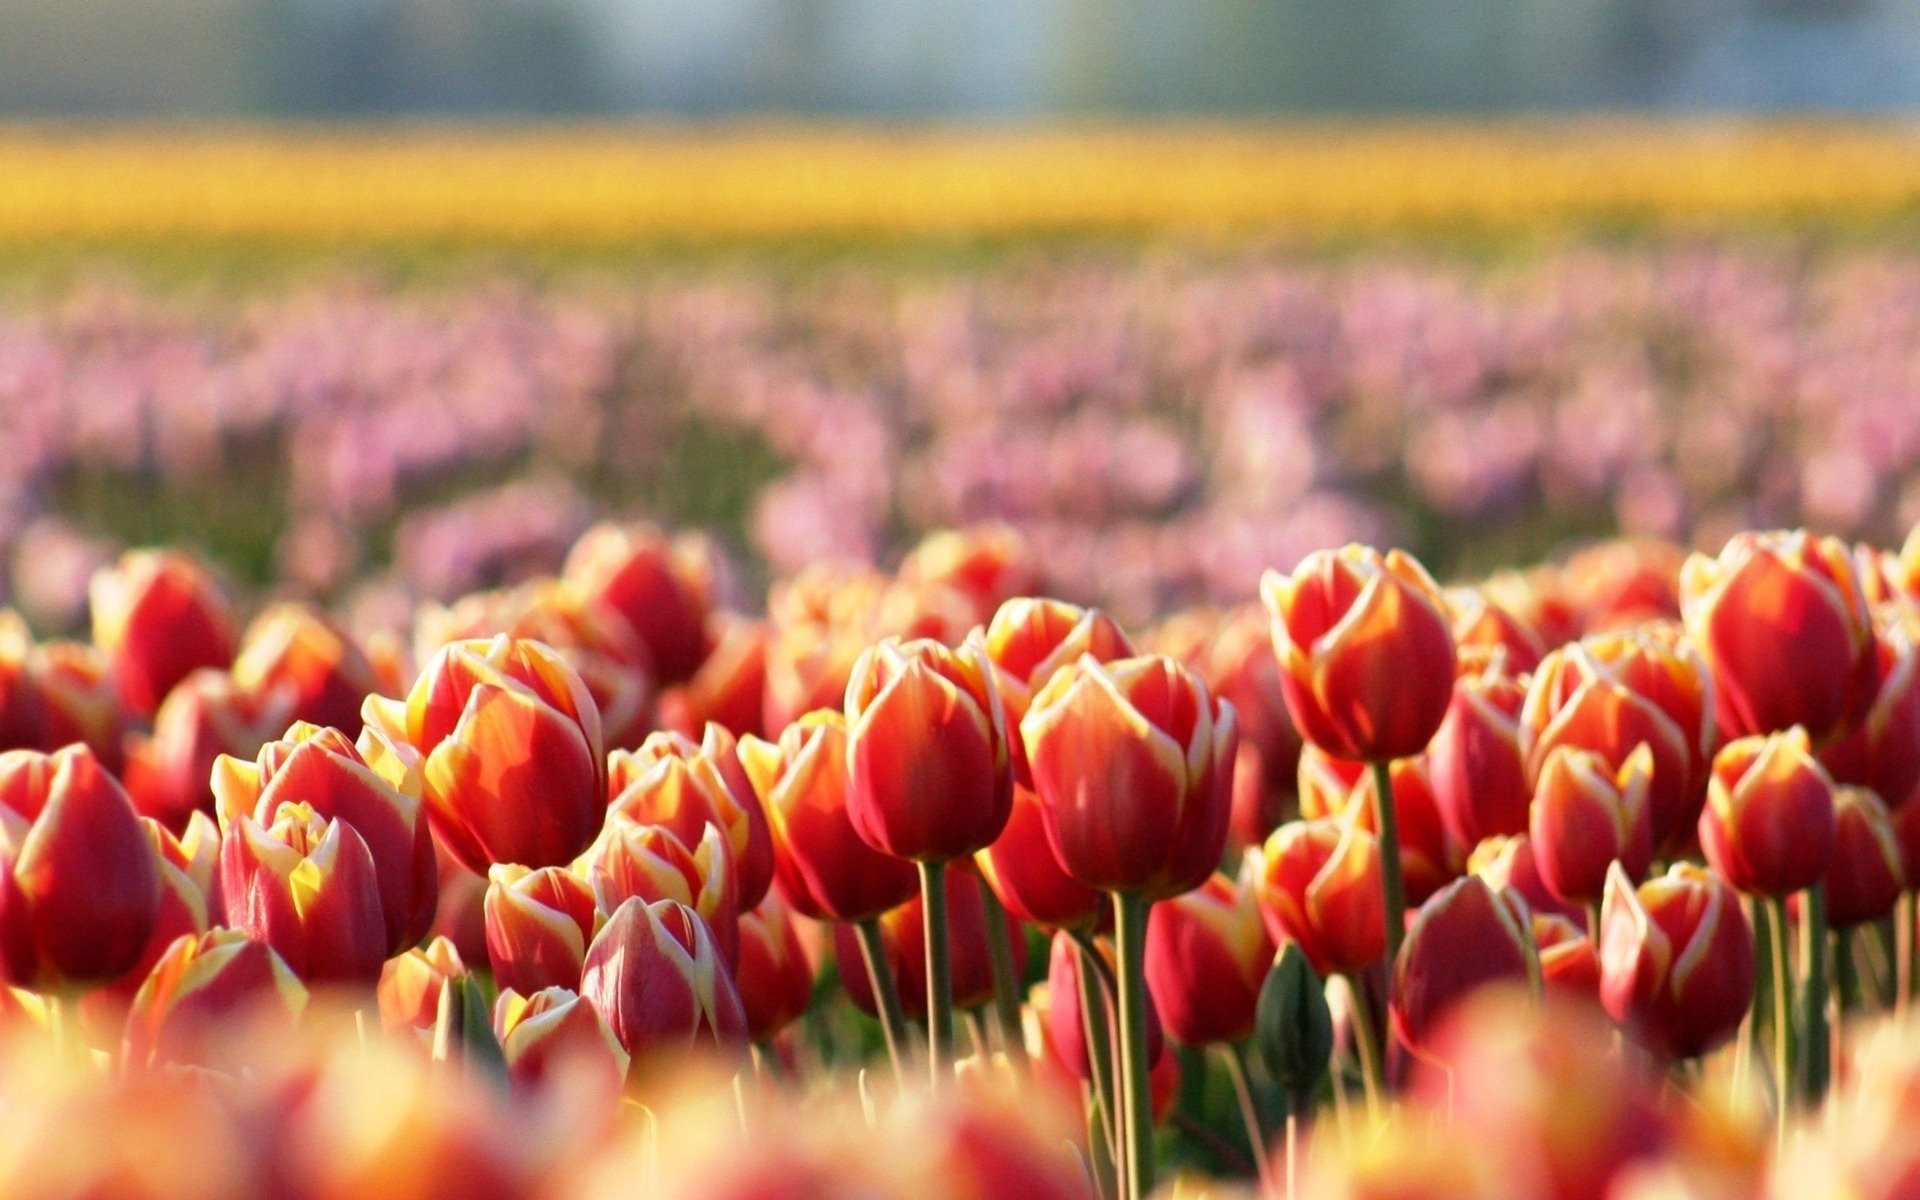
pixel 1593 924
pixel 1846 973
pixel 1006 984
pixel 1094 1000
pixel 1782 1019
pixel 1365 1046
pixel 886 994
pixel 1235 1054
pixel 1814 1048
pixel 933 903
pixel 1904 921
pixel 1392 889
pixel 1130 933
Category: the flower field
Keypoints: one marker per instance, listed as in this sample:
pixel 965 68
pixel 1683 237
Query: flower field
pixel 1101 717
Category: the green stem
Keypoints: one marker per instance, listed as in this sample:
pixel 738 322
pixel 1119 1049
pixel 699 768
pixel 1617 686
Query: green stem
pixel 1906 917
pixel 1100 1063
pixel 1392 889
pixel 1130 932
pixel 933 902
pixel 1815 1047
pixel 1006 984
pixel 1782 1020
pixel 886 994
pixel 1365 1046
pixel 1593 924
pixel 1235 1055
pixel 1846 973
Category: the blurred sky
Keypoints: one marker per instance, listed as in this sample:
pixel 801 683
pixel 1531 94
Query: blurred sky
pixel 977 57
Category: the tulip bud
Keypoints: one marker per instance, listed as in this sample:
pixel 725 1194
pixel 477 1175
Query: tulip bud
pixel 1769 824
pixel 672 782
pixel 903 934
pixel 657 980
pixel 1133 764
pixel 297 650
pixel 649 862
pixel 158 615
pixel 1883 750
pixel 1294 1026
pixel 655 585
pixel 1318 884
pixel 1568 962
pixel 1366 654
pixel 539 924
pixel 928 773
pixel 988 564
pixel 775 979
pixel 729 689
pixel 79 884
pixel 1508 865
pixel 1485 629
pixel 826 871
pixel 1587 816
pixel 1867 872
pixel 307 887
pixel 1207 955
pixel 1430 856
pixel 1676 959
pixel 1611 694
pixel 553 1033
pixel 410 985
pixel 1480 781
pixel 199 988
pixel 1782 623
pixel 1029 640
pixel 203 717
pixel 322 769
pixel 1032 885
pixel 512 767
pixel 1464 938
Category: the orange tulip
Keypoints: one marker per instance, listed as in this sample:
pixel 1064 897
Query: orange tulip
pixel 1028 879
pixel 79 883
pixel 189 867
pixel 775 978
pixel 1625 582
pixel 929 777
pixel 671 781
pixel 1508 864
pixel 1366 654
pixel 1465 938
pixel 1568 962
pixel 1868 871
pixel 411 983
pixel 201 987
pixel 1318 884
pixel 307 887
pixel 647 861
pixel 1769 823
pixel 1587 816
pixel 1133 764
pixel 205 716
pixel 1029 640
pixel 1480 782
pixel 1430 856
pixel 1676 959
pixel 655 978
pixel 1883 750
pixel 539 924
pixel 657 586
pixel 553 1034
pixel 730 688
pixel 157 616
pixel 989 564
pixel 1207 955
pixel 1783 624
pixel 1483 628
pixel 72 699
pixel 298 650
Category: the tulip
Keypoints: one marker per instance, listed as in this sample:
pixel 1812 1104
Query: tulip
pixel 197 991
pixel 1465 938
pixel 808 666
pixel 510 749
pixel 1484 628
pixel 1868 871
pixel 655 585
pixel 1768 827
pixel 1588 816
pixel 1676 959
pixel 1612 693
pixel 322 769
pixel 539 924
pixel 672 782
pixel 189 868
pixel 307 887
pixel 1318 886
pixel 158 615
pixel 1479 774
pixel 1784 626
pixel 988 564
pixel 461 918
pixel 297 650
pixel 554 1033
pixel 657 980
pixel 1508 864
pixel 903 934
pixel 1207 955
pixel 729 689
pixel 1569 964
pixel 1430 856
pixel 1624 582
pixel 205 716
pixel 775 979
pixel 1883 750
pixel 647 861
pixel 1030 640
pixel 74 694
pixel 411 983
pixel 79 884
pixel 1294 1028
pixel 1027 879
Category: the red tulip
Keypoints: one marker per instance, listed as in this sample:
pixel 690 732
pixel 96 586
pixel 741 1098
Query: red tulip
pixel 1782 622
pixel 189 867
pixel 1868 871
pixel 1366 654
pixel 553 1034
pixel 647 861
pixel 1588 816
pixel 657 980
pixel 903 933
pixel 775 979
pixel 322 769
pixel 1030 640
pixel 296 650
pixel 74 695
pixel 158 615
pixel 729 689
pixel 79 884
pixel 1508 864
pixel 1625 582
pixel 1484 628
pixel 411 983
pixel 1031 884
pixel 1430 856
pixel 510 749
pixel 929 776
pixel 539 924
pixel 1676 959
pixel 199 988
pixel 1465 938
pixel 657 586
pixel 1207 955
pixel 673 782
pixel 1133 764
pixel 1883 750
pixel 307 887
pixel 1318 883
pixel 808 666
pixel 1568 962
pixel 1063 1023
pixel 1768 825
pixel 1480 781
pixel 988 564
pixel 825 870
pixel 205 716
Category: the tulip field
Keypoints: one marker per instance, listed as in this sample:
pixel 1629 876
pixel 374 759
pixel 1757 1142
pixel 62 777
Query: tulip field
pixel 1085 719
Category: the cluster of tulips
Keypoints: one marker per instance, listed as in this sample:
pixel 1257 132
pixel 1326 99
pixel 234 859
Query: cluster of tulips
pixel 574 869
